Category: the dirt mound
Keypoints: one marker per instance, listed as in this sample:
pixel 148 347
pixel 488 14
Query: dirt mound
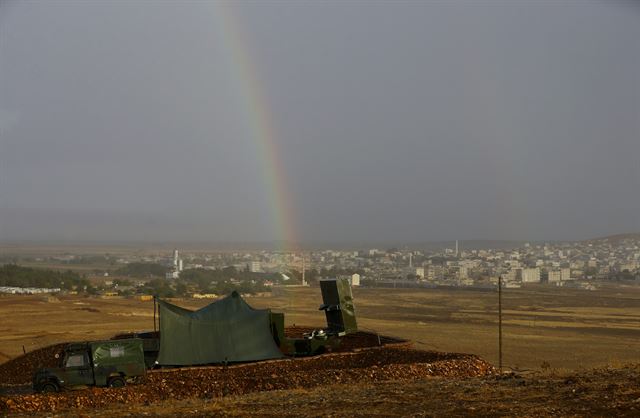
pixel 4 357
pixel 588 393
pixel 20 369
pixel 368 365
pixel 88 309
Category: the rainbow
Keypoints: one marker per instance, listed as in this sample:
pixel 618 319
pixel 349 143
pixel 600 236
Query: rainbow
pixel 262 125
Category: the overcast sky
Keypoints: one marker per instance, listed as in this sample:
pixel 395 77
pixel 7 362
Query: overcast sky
pixel 414 121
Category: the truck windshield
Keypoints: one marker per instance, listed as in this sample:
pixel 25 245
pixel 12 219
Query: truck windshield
pixel 76 360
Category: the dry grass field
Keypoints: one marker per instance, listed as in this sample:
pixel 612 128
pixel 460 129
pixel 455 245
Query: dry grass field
pixel 596 393
pixel 557 339
pixel 544 327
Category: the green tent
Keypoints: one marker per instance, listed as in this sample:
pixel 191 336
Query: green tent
pixel 227 330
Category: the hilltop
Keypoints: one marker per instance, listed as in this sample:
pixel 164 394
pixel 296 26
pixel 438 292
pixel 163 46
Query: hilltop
pixel 615 239
pixel 595 392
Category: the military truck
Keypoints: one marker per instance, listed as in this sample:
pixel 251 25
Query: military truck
pixel 150 345
pixel 96 363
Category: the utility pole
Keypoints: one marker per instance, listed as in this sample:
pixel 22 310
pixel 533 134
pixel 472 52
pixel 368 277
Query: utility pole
pixel 500 323
pixel 154 313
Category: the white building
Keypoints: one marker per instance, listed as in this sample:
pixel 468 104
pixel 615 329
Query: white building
pixel 420 272
pixel 176 267
pixel 555 276
pixel 255 267
pixel 463 272
pixel 512 275
pixel 531 275
pixel 355 279
pixel 175 259
pixel 434 272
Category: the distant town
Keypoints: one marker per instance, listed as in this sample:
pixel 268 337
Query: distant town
pixel 583 264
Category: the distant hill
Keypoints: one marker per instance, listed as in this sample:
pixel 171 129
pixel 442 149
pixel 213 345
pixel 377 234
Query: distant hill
pixel 484 244
pixel 617 238
pixel 475 244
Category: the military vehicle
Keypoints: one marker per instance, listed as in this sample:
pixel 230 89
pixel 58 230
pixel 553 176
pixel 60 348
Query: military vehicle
pixel 96 363
pixel 150 345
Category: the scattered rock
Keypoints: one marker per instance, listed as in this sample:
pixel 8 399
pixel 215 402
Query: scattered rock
pixel 373 364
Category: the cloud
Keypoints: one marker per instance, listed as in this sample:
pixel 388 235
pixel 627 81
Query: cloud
pixel 8 119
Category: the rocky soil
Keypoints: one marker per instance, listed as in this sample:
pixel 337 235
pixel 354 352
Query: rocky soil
pixel 359 360
pixel 392 380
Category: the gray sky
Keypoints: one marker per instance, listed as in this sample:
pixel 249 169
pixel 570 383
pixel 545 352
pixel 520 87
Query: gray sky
pixel 412 121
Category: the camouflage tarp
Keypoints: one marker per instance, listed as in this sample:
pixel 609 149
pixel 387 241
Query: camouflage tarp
pixel 228 330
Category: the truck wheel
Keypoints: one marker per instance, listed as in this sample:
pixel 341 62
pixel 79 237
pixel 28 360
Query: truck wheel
pixel 49 388
pixel 116 382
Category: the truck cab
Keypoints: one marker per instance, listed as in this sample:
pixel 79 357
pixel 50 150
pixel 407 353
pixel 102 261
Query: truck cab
pixel 97 363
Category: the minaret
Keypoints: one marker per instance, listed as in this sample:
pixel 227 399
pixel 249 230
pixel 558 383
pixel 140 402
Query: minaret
pixel 304 282
pixel 410 260
pixel 456 248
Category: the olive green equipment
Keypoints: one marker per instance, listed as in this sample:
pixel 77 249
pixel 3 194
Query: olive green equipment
pixel 338 306
pixel 341 320
pixel 225 331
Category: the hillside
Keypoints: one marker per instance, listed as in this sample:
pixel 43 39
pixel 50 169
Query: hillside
pixel 614 239
pixel 596 392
